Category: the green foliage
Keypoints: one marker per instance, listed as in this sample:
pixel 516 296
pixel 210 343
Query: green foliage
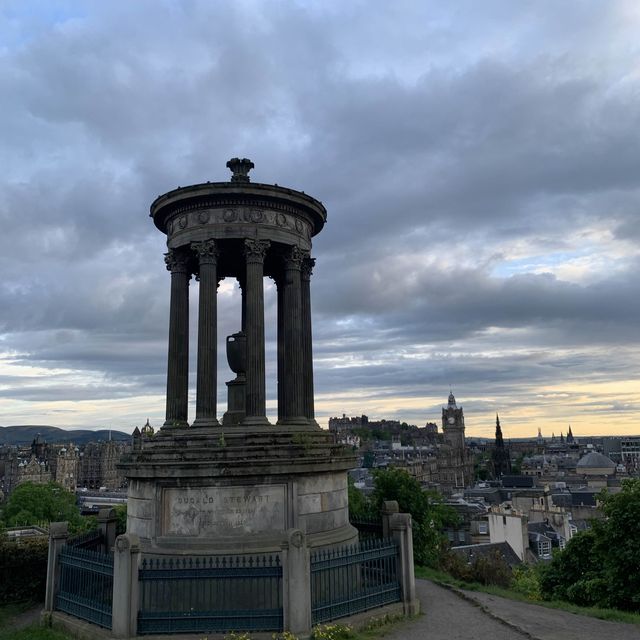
pixel 490 569
pixel 619 544
pixel 526 581
pixel 359 505
pixel 430 516
pixel 30 503
pixel 332 632
pixel 33 633
pixel 285 635
pixel 23 570
pixel 598 567
pixel 121 515
pixel 571 573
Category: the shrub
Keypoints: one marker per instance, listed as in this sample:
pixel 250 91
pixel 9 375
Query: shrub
pixel 486 569
pixel 23 570
pixel 526 580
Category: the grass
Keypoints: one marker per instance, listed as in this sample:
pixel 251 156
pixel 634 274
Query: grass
pixel 613 615
pixel 33 632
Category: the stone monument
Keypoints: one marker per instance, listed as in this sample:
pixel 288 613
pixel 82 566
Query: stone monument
pixel 240 484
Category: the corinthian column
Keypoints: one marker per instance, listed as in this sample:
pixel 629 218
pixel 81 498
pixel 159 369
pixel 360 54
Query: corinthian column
pixel 307 350
pixel 255 251
pixel 206 389
pixel 293 390
pixel 178 366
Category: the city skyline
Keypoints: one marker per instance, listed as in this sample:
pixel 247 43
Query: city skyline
pixel 479 165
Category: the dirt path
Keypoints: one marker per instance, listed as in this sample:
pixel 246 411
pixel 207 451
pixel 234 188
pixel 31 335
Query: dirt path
pixel 467 615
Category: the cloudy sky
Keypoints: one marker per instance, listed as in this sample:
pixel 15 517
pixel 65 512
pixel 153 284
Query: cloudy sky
pixel 480 163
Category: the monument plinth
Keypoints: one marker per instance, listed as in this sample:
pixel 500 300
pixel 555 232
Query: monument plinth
pixel 240 485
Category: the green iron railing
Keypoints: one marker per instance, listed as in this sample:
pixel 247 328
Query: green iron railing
pixel 352 579
pixel 209 594
pixel 86 585
pixel 368 525
pixel 88 540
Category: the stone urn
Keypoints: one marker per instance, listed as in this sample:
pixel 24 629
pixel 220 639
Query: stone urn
pixel 237 352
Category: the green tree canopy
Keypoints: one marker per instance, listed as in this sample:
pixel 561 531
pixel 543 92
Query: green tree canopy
pixel 429 514
pixel 31 503
pixel 600 567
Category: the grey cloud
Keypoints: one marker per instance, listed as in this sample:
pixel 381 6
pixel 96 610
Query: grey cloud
pixel 427 130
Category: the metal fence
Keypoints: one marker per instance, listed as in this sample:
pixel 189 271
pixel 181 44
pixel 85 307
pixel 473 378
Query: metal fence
pixel 352 579
pixel 208 594
pixel 368 526
pixel 86 585
pixel 89 540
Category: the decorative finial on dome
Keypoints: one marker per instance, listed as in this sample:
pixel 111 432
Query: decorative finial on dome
pixel 452 400
pixel 240 169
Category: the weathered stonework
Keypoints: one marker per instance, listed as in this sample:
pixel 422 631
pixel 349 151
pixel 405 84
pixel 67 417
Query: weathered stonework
pixel 239 487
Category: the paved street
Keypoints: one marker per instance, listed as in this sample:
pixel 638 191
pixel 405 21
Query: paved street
pixel 448 616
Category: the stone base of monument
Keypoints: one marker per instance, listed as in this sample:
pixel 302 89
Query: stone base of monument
pixel 216 491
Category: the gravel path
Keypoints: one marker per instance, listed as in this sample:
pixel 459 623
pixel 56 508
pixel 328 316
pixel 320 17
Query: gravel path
pixel 467 615
pixel 543 623
pixel 446 616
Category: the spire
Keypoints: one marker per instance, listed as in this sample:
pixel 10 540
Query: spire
pixel 570 438
pixel 452 401
pixel 499 439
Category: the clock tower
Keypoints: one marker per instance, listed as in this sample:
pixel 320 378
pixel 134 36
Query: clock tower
pixel 453 424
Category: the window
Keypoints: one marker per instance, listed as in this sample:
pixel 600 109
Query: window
pixel 482 527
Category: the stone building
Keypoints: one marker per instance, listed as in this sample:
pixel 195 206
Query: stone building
pixel 98 462
pixel 68 464
pixel 455 465
pixel 33 470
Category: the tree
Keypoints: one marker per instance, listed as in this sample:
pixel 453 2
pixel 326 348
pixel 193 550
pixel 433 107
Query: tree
pixel 619 546
pixel 597 567
pixel 30 503
pixel 573 573
pixel 359 506
pixel 429 515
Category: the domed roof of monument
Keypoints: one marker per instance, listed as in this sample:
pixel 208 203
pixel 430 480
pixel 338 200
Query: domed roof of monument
pixel 595 460
pixel 452 401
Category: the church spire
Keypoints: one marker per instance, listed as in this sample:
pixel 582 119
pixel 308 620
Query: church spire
pixel 570 438
pixel 499 438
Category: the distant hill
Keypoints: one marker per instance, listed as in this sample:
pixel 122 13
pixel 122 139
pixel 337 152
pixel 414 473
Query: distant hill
pixel 21 435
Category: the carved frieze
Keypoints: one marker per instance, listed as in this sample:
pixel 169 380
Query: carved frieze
pixel 185 220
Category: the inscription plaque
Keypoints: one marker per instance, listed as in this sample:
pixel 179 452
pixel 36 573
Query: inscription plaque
pixel 223 511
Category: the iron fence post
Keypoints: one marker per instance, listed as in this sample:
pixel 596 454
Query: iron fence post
pixel 58 534
pixel 125 586
pixel 400 525
pixel 296 584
